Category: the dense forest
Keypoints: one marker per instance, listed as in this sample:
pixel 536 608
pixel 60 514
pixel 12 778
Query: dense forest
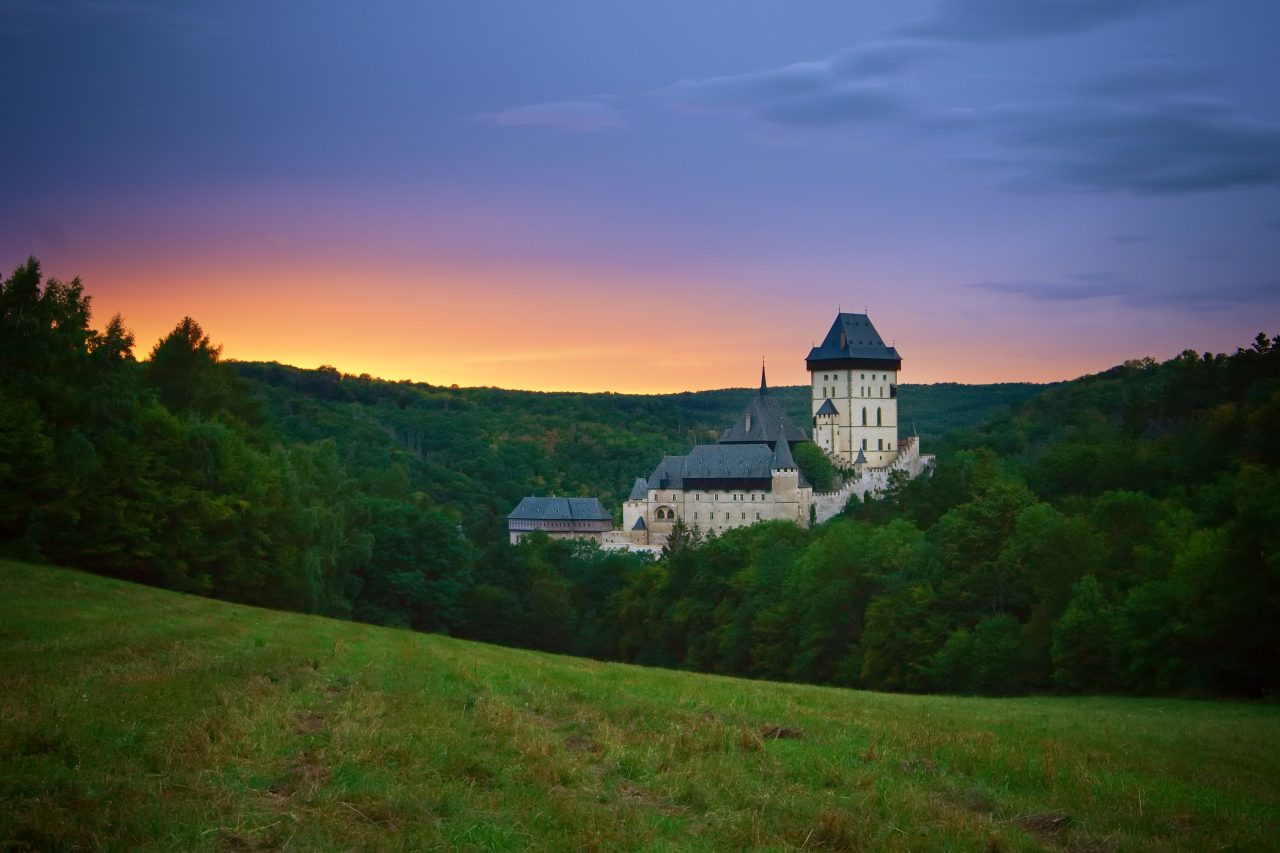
pixel 479 450
pixel 1116 533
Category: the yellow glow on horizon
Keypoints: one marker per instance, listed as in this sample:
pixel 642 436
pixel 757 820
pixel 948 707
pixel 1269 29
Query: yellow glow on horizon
pixel 538 330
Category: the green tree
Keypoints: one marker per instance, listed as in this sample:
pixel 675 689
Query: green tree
pixel 815 466
pixel 1084 639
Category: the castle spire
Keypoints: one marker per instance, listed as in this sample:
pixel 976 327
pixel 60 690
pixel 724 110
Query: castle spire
pixel 764 387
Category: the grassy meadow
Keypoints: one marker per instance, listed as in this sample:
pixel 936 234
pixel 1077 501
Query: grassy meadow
pixel 133 718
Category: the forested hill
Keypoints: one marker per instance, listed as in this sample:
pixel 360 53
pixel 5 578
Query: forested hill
pixel 1117 532
pixel 481 449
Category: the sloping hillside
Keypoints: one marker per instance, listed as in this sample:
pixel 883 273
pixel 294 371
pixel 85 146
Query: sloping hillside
pixel 135 718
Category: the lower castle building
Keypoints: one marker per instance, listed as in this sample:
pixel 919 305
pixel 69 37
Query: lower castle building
pixel 750 476
pixel 559 518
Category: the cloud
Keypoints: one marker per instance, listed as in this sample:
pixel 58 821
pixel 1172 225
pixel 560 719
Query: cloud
pixel 1165 147
pixel 1081 287
pixel 1011 20
pixel 1145 129
pixel 843 105
pixel 1147 80
pixel 582 116
pixel 848 87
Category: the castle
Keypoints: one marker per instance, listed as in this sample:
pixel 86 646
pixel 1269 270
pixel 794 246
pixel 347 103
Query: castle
pixel 751 474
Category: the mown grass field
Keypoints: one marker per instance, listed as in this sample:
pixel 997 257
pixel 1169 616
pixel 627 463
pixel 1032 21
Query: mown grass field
pixel 138 719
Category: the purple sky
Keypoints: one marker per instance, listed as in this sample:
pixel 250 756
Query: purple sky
pixel 651 196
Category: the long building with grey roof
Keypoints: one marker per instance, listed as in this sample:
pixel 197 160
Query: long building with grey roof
pixel 559 518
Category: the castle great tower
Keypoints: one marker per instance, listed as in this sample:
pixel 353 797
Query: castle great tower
pixel 855 393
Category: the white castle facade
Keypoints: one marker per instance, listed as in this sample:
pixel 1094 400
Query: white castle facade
pixel 854 377
pixel 751 474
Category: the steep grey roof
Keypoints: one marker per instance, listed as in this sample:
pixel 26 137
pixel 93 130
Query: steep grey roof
pixel 559 509
pixel 828 408
pixel 853 337
pixel 782 457
pixel 729 462
pixel 669 474
pixel 640 490
pixel 639 525
pixel 861 458
pixel 722 462
pixel 762 421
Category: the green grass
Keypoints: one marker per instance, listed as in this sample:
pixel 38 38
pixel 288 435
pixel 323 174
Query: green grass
pixel 138 719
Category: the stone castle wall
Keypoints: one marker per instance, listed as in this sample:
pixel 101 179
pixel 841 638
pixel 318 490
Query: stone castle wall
pixel 870 480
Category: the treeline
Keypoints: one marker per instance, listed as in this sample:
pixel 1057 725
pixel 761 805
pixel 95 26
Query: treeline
pixel 165 472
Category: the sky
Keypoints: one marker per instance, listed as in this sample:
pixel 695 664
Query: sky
pixel 651 197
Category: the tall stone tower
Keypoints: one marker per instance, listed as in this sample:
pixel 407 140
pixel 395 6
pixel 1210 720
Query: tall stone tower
pixel 855 393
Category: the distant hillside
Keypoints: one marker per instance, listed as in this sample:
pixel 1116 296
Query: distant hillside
pixel 933 410
pixel 481 449
pixel 206 726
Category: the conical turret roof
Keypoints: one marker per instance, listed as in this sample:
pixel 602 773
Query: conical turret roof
pixel 782 457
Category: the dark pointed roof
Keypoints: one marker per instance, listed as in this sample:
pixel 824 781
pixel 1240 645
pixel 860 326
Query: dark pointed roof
pixel 669 474
pixel 560 509
pixel 639 490
pixel 853 342
pixel 639 525
pixel 762 421
pixel 861 458
pixel 782 457
pixel 828 408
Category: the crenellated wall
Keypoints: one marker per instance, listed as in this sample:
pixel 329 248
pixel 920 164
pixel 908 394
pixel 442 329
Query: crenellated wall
pixel 869 480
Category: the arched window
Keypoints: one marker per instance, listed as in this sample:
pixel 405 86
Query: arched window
pixel 879 418
pixel 864 416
